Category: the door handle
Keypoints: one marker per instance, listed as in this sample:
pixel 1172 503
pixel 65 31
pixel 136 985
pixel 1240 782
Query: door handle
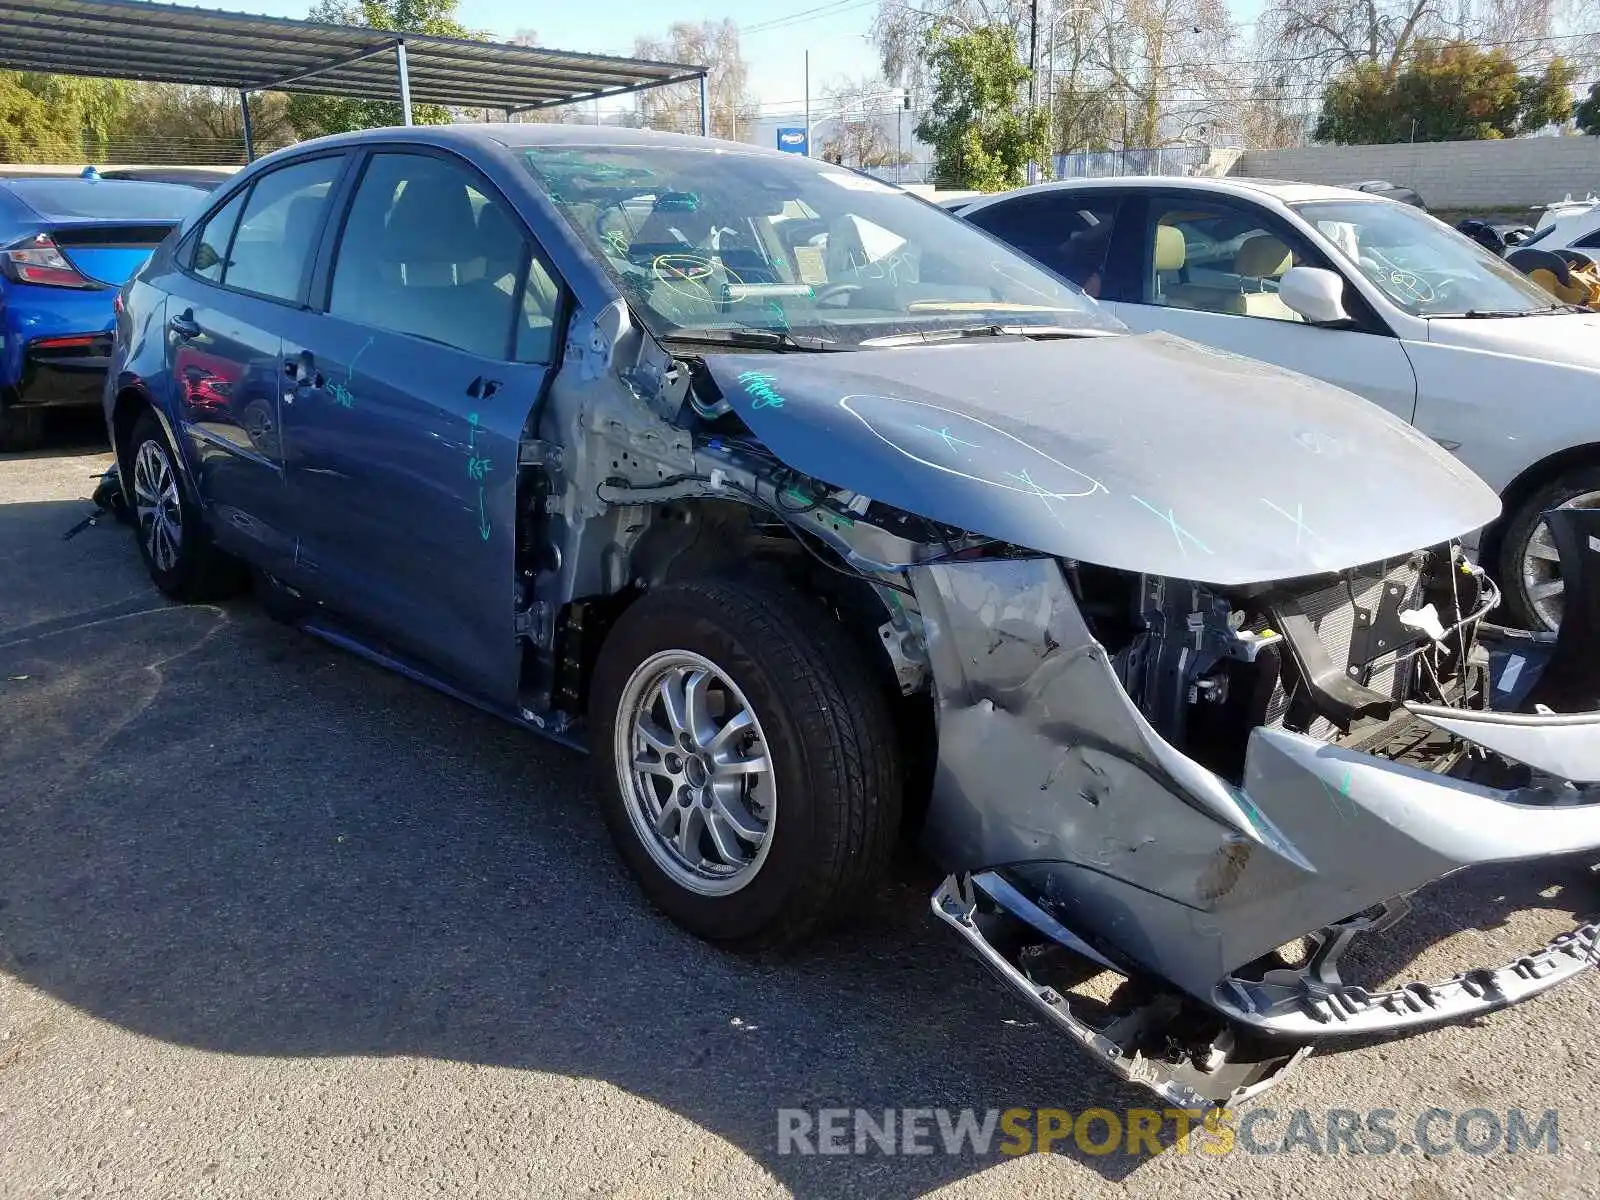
pixel 184 325
pixel 302 370
pixel 481 388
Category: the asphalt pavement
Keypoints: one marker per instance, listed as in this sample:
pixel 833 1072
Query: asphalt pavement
pixel 274 922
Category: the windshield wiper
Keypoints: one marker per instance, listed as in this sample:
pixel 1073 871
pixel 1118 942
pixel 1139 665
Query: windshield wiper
pixel 752 337
pixel 991 329
pixel 1485 313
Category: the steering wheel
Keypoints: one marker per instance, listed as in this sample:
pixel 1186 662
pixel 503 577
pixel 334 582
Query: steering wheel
pixel 687 275
pixel 1413 285
pixel 828 290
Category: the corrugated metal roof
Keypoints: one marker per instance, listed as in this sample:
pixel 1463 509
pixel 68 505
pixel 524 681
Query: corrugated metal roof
pixel 167 43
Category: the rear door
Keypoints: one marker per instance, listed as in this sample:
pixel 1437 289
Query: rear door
pixel 242 275
pixel 401 429
pixel 1207 268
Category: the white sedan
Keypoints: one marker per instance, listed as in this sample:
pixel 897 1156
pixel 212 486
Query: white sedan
pixel 1372 295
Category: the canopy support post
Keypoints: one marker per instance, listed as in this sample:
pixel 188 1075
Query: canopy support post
pixel 249 134
pixel 705 106
pixel 405 82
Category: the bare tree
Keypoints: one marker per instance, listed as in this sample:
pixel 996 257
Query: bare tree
pixel 1311 41
pixel 902 28
pixel 1114 73
pixel 863 115
pixel 713 44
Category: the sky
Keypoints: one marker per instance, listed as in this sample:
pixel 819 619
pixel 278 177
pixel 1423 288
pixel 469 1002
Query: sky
pixel 774 35
pixel 836 33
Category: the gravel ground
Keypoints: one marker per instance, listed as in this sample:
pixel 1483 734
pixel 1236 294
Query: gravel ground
pixel 274 922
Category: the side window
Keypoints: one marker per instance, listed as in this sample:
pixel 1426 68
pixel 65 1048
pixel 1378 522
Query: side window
pixel 278 231
pixel 211 246
pixel 425 252
pixel 1589 241
pixel 1216 258
pixel 1068 232
pixel 536 318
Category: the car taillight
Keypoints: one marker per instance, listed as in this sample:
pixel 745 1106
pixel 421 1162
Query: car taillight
pixel 39 261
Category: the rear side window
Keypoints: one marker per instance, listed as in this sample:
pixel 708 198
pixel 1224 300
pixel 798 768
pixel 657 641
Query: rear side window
pixel 211 247
pixel 427 252
pixel 1069 233
pixel 277 233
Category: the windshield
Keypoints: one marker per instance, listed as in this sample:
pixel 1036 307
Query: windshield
pixel 108 199
pixel 1422 264
pixel 706 239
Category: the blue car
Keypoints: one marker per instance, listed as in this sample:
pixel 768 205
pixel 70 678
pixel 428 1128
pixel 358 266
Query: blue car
pixel 817 515
pixel 66 246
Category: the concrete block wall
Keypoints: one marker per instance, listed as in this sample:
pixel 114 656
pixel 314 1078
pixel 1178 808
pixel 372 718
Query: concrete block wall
pixel 1513 173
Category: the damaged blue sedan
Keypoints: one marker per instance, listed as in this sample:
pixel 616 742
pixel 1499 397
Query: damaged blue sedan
pixel 820 518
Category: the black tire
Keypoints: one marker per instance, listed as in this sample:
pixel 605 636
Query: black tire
pixel 277 599
pixel 830 739
pixel 21 429
pixel 1519 530
pixel 196 570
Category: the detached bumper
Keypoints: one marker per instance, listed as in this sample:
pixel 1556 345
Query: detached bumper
pixel 1070 826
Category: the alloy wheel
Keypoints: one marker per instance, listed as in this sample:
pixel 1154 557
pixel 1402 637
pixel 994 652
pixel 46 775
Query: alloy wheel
pixel 1541 566
pixel 695 772
pixel 157 506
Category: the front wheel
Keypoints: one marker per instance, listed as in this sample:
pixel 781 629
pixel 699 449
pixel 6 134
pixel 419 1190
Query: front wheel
pixel 750 770
pixel 1529 565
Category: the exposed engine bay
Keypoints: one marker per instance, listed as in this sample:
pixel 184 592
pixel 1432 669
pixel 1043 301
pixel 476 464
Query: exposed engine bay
pixel 1217 731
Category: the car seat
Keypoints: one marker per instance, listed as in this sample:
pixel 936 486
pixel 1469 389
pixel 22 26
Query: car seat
pixel 1259 258
pixel 435 270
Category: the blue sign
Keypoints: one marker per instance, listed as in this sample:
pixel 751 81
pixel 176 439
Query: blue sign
pixel 794 141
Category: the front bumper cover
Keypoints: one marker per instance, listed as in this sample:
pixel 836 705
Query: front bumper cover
pixel 1109 842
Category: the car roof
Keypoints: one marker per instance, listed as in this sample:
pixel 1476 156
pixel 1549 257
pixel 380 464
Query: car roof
pixel 1246 187
pixel 518 134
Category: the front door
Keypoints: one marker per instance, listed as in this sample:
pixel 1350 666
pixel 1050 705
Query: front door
pixel 402 423
pixel 1209 272
pixel 239 279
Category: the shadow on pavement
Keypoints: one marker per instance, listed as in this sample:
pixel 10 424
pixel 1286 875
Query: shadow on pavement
pixel 223 834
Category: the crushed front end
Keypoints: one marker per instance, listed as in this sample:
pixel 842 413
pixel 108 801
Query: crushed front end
pixel 1207 794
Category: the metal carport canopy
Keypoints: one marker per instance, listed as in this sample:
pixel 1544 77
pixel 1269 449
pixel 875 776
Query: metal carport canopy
pixel 168 43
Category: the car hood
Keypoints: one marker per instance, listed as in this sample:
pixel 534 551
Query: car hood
pixel 1570 338
pixel 1146 453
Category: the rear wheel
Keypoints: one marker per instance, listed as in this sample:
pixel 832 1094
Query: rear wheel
pixel 1529 566
pixel 750 771
pixel 173 540
pixel 21 428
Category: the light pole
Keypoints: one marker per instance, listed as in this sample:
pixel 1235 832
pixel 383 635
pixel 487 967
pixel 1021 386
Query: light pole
pixel 808 104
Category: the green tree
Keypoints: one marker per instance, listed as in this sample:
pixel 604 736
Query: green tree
pixel 30 132
pixel 1588 113
pixel 177 124
pixel 98 107
pixel 314 115
pixel 983 136
pixel 1449 91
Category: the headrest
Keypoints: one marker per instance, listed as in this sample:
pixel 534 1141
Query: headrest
pixel 1262 257
pixel 427 206
pixel 423 241
pixel 1170 249
pixel 300 218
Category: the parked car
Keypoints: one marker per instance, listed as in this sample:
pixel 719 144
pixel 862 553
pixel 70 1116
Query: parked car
pixel 1568 225
pixel 1363 292
pixel 66 245
pixel 816 516
pixel 1391 191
